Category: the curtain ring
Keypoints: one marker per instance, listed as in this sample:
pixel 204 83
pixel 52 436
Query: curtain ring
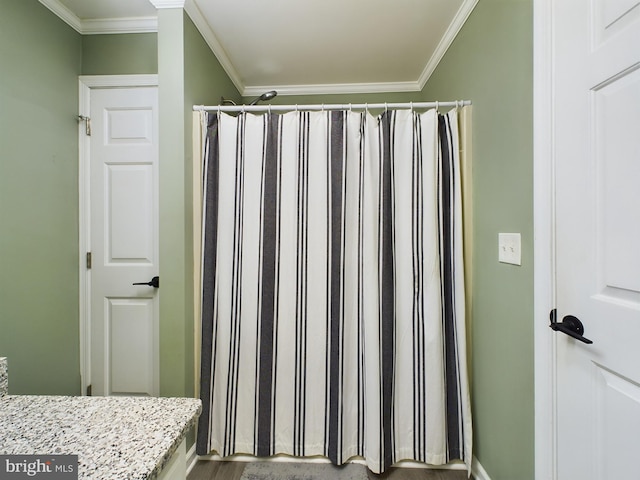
pixel 350 108
pixel 437 104
pixel 322 108
pixel 386 108
pixel 411 106
pixel 269 109
pixel 366 107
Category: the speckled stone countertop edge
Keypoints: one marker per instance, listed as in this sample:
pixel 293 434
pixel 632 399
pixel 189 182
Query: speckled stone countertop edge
pixel 172 449
pixel 4 376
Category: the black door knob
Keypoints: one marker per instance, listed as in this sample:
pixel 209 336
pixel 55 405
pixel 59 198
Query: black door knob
pixel 155 282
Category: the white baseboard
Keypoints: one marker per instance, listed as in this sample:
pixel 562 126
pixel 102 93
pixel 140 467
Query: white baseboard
pixel 192 458
pixel 479 473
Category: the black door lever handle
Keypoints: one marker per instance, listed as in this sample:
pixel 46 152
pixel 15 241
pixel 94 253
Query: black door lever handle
pixel 155 282
pixel 570 325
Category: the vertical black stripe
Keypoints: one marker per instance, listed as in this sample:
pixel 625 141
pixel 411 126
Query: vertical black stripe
pixel 419 318
pixel 335 274
pixel 415 172
pixel 258 332
pixel 328 222
pixel 343 280
pixel 267 311
pixel 236 292
pixel 379 250
pixel 451 373
pixel 305 309
pixel 388 291
pixel 422 365
pixel 361 290
pixel 209 264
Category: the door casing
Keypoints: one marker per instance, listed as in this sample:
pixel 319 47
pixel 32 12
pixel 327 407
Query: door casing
pixel 543 245
pixel 86 83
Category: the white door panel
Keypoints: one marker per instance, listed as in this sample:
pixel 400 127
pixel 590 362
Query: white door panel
pixel 597 187
pixel 124 241
pixel 129 345
pixel 129 214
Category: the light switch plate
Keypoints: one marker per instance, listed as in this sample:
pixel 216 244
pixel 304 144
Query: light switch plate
pixel 509 248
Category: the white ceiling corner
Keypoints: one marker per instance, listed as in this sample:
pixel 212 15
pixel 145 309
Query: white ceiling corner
pixel 447 39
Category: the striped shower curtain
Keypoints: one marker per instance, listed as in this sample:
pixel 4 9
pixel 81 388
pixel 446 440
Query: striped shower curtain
pixel 333 299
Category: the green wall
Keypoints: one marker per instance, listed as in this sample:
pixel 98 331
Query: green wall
pixel 490 62
pixel 134 53
pixel 39 332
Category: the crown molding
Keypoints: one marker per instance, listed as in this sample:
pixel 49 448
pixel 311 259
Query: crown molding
pixel 120 25
pixel 102 25
pixel 335 88
pixel 64 14
pixel 212 41
pixel 447 39
pixel 167 3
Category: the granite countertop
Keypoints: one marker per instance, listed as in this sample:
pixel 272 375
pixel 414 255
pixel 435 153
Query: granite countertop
pixel 115 438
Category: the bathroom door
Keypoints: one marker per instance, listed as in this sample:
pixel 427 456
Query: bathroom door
pixel 123 241
pixel 596 149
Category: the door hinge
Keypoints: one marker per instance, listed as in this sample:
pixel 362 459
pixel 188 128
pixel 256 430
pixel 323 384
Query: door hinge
pixel 88 260
pixel 88 390
pixel 87 124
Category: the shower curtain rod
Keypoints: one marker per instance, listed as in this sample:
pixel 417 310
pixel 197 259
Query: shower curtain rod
pixel 328 106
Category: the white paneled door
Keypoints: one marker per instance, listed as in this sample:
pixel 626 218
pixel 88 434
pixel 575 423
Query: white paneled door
pixel 123 197
pixel 596 115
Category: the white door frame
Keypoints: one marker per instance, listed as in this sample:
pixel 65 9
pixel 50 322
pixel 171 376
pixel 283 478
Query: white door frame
pixel 544 242
pixel 86 83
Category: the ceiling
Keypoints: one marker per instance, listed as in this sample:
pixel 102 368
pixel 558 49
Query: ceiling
pixel 299 46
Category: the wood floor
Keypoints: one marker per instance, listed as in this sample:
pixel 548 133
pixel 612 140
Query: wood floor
pixel 214 470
